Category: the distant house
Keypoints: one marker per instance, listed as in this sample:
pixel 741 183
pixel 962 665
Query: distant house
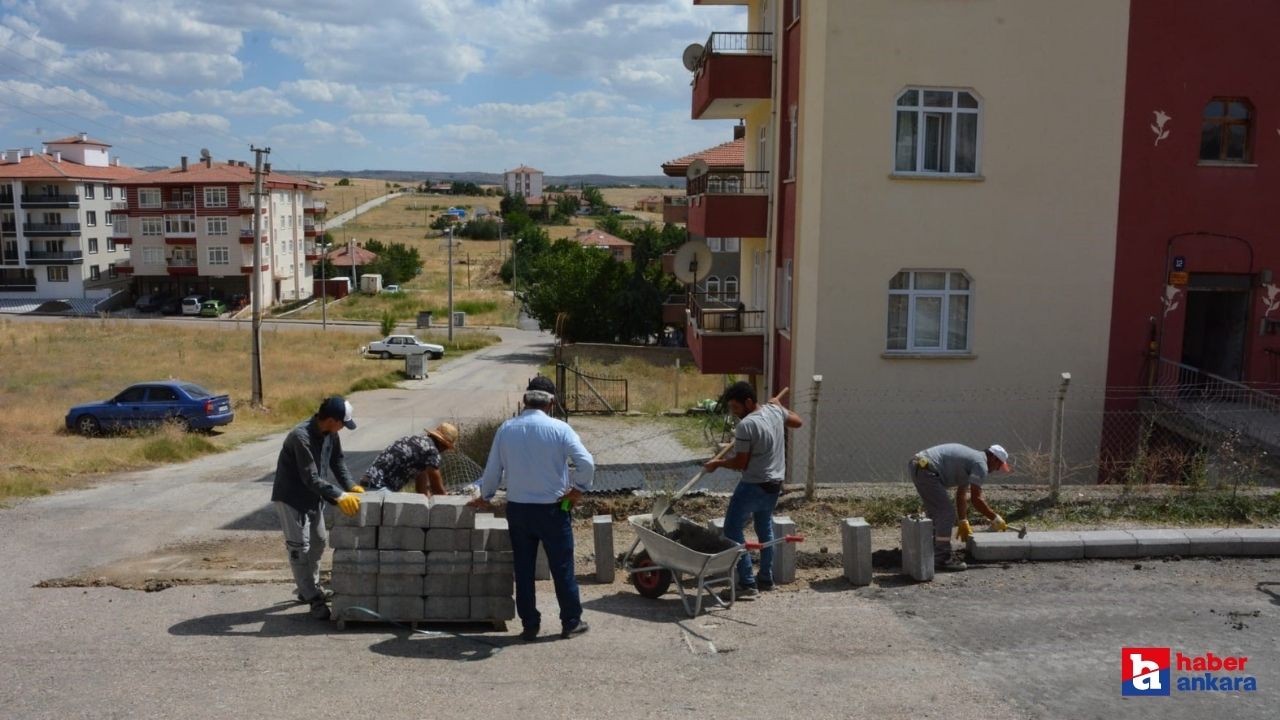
pixel 652 203
pixel 342 257
pixel 523 181
pixel 723 283
pixel 619 248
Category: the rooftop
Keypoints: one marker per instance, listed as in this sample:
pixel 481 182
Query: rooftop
pixel 725 156
pixel 228 172
pixel 600 238
pixel 524 169
pixel 44 166
pixel 81 139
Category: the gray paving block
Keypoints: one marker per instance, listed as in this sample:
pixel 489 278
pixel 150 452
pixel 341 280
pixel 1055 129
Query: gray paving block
pixel 449 562
pixel 716 524
pixel 1162 543
pixel 784 555
pixel 351 537
pixel 485 557
pixel 1053 545
pixel 342 605
pixel 401 538
pixel 917 548
pixel 369 514
pixel 401 607
pixel 490 533
pixel 393 584
pixel 1110 544
pixel 1209 541
pixel 490 584
pixel 362 584
pixel 448 539
pixel 502 607
pixel 448 585
pixel 402 562
pixel 1257 542
pixel 602 533
pixel 355 561
pixel 998 547
pixel 493 568
pixel 440 607
pixel 855 542
pixel 452 511
pixel 405 509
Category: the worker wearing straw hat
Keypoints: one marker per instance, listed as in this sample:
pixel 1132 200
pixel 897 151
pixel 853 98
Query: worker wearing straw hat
pixel 413 458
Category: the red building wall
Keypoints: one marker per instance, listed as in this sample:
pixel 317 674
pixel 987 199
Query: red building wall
pixel 785 188
pixel 1219 220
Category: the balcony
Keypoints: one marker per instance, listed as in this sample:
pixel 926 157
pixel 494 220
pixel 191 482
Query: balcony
pixel 724 339
pixel 673 309
pixel 734 72
pixel 124 268
pixel 179 204
pixel 6 200
pixel 50 201
pixel 9 228
pixel 312 229
pixel 248 269
pixel 12 285
pixel 182 266
pixel 120 233
pixel 43 257
pixel 732 204
pixel 312 251
pixel 119 205
pixel 315 206
pixel 51 229
pixel 675 209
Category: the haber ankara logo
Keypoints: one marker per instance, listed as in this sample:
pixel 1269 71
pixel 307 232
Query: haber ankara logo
pixel 1144 672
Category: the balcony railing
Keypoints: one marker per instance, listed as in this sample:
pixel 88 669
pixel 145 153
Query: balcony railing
pixel 17 285
pixel 6 199
pixel 737 43
pixel 730 183
pixel 675 200
pixel 246 233
pixel 52 228
pixel 9 227
pixel 180 262
pixel 50 200
pixel 120 205
pixel 59 256
pixel 712 314
pixel 120 230
pixel 316 206
pixel 179 204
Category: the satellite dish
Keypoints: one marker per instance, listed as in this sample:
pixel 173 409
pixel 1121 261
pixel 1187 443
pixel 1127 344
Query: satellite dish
pixel 692 56
pixel 204 154
pixel 697 169
pixel 693 262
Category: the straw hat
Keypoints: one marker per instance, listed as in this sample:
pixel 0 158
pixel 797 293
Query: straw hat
pixel 445 434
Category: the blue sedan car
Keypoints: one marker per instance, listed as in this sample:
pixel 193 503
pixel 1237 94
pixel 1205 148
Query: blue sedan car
pixel 151 404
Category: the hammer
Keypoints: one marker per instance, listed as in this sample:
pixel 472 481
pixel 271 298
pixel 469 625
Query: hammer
pixel 1022 532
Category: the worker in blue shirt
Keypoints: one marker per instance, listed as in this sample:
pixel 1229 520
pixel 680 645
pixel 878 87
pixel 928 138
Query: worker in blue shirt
pixel 532 451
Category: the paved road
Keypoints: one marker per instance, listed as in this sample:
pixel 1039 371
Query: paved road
pixel 338 221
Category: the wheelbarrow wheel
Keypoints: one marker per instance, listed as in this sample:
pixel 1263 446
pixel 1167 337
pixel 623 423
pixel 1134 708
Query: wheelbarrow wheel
pixel 652 585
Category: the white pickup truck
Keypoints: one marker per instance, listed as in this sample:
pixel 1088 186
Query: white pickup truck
pixel 402 345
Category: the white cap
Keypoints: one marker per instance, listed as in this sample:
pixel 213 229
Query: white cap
pixel 1002 455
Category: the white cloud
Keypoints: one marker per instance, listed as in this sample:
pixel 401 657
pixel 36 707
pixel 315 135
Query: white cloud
pixel 179 120
pixel 401 121
pixel 50 98
pixel 174 69
pixel 254 101
pixel 314 133
pixel 390 98
pixel 157 25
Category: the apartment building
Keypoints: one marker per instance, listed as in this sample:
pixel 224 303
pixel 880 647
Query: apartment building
pixel 724 162
pixel 56 210
pixel 928 206
pixel 523 181
pixel 191 229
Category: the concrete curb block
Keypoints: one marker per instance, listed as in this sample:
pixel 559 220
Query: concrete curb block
pixel 855 541
pixel 1056 546
pixel 1126 544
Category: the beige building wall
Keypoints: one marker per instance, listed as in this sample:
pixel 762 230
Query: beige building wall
pixel 753 287
pixel 1035 231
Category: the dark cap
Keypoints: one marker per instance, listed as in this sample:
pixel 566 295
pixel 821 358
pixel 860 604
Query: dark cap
pixel 542 384
pixel 336 408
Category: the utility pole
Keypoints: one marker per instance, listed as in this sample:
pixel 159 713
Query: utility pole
pixel 351 256
pixel 450 236
pixel 256 360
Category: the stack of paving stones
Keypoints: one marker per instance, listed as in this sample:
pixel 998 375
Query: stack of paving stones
pixel 411 559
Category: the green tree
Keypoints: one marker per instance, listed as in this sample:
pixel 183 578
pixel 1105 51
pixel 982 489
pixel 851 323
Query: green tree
pixel 611 224
pixel 513 204
pixel 344 182
pixel 397 263
pixel 566 205
pixel 594 200
pixel 582 282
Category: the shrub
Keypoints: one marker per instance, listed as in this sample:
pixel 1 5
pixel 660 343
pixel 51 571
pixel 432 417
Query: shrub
pixel 388 322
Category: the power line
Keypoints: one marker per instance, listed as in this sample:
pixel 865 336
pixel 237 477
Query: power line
pixel 72 128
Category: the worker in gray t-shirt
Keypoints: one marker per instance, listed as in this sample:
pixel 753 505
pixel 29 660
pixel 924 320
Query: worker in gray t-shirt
pixel 759 445
pixel 942 467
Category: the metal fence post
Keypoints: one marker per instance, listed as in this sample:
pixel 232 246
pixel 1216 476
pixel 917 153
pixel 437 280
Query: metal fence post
pixel 811 481
pixel 1056 452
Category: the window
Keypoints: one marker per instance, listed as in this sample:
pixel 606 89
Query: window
pixel 794 140
pixel 111 245
pixel 929 311
pixel 219 255
pixel 215 197
pixel 714 244
pixel 731 289
pixel 108 191
pixel 762 150
pixel 937 132
pixel 161 394
pixel 153 256
pixel 88 191
pixel 216 225
pixel 111 271
pixel 784 296
pixel 1224 131
pixel 57 273
pixel 94 273
pixel 152 226
pixel 713 288
pixel 149 197
pixel 120 225
pixel 731 245
pixel 179 225
pixel 93 246
pixel 91 218
pixel 134 394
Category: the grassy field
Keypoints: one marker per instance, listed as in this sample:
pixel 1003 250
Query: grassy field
pixel 651 389
pixel 50 367
pixel 343 198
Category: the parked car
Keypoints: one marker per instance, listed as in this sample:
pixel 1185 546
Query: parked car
pixel 191 304
pixel 171 306
pixel 402 345
pixel 151 303
pixel 151 404
pixel 391 289
pixel 212 308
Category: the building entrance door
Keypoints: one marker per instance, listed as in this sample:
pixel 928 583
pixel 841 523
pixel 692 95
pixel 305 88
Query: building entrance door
pixel 1217 317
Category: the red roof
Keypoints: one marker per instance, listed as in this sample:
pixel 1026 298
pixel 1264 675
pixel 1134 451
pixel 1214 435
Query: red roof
pixel 725 156
pixel 77 140
pixel 340 258
pixel 42 166
pixel 525 169
pixel 600 238
pixel 197 173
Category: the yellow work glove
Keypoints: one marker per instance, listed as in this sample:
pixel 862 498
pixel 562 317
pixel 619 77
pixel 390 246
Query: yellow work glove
pixel 998 524
pixel 922 463
pixel 964 531
pixel 349 504
pixel 357 489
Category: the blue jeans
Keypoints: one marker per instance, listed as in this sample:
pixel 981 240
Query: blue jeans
pixel 750 502
pixel 530 525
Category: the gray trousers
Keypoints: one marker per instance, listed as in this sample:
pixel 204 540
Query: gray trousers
pixel 938 504
pixel 305 538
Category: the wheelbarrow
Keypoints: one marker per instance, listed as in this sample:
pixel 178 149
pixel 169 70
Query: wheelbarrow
pixel 696 559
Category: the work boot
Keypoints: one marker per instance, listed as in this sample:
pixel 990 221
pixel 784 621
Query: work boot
pixel 744 592
pixel 949 562
pixel 529 634
pixel 319 610
pixel 576 629
pixel 325 594
pixel 765 585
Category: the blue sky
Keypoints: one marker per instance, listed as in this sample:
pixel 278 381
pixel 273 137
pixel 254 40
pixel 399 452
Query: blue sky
pixel 568 86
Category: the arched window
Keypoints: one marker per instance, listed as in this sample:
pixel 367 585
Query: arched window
pixel 731 289
pixel 713 288
pixel 1225 130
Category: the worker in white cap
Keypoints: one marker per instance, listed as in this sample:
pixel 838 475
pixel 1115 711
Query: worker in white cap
pixel 942 467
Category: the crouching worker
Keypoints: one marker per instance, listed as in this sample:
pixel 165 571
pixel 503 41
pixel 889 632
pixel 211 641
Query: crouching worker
pixel 311 452
pixel 413 458
pixel 942 467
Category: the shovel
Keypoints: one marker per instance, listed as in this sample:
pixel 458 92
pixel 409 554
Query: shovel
pixel 667 521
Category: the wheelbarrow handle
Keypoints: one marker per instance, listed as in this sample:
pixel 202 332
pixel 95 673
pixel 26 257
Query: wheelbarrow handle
pixel 786 539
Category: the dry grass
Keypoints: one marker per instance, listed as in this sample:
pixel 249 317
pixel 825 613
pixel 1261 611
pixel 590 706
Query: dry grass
pixel 651 389
pixel 343 198
pixel 626 198
pixel 50 367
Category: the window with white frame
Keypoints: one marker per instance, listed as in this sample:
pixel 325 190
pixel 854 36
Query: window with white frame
pixel 153 256
pixel 215 197
pixel 95 273
pixel 108 192
pixel 152 226
pixel 784 296
pixel 57 273
pixel 88 191
pixel 120 225
pixel 937 132
pixel 731 289
pixel 215 225
pixel 91 218
pixel 220 255
pixel 111 271
pixel 713 287
pixel 93 246
pixel 149 198
pixel 929 311
pixel 111 245
pixel 714 244
pixel 731 245
pixel 180 224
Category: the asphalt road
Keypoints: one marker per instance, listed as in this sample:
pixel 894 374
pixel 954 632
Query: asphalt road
pixel 1026 641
